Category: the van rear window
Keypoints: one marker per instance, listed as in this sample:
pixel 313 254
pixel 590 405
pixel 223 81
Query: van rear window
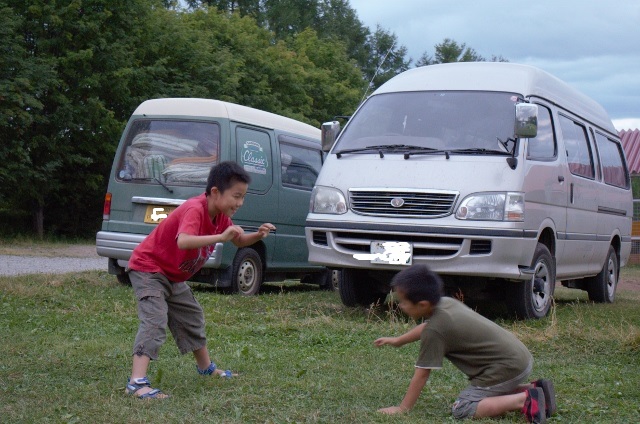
pixel 169 152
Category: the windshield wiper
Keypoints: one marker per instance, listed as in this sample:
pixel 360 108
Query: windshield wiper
pixel 480 151
pixel 379 148
pixel 426 151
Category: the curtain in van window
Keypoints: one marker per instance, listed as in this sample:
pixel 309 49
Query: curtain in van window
pixel 171 151
pixel 611 157
pixel 578 150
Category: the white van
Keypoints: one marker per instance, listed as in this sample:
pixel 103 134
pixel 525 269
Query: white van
pixel 164 157
pixel 498 176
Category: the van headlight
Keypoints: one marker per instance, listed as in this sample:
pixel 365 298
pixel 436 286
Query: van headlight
pixel 492 207
pixel 327 200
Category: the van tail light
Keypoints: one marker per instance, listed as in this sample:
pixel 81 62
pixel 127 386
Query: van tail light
pixel 106 211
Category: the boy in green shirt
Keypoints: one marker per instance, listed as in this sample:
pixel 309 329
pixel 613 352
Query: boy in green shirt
pixel 495 361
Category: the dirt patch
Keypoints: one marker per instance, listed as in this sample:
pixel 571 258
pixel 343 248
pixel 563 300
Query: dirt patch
pixel 629 283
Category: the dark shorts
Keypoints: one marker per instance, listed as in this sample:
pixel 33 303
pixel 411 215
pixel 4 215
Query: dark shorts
pixel 467 403
pixel 163 304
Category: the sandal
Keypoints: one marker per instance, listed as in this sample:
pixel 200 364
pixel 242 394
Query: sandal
pixel 140 383
pixel 212 369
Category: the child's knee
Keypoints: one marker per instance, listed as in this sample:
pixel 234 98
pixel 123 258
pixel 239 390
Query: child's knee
pixel 463 409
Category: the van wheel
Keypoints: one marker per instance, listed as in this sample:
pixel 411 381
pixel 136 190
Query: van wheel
pixel 532 299
pixel 331 280
pixel 356 289
pixel 120 272
pixel 246 277
pixel 602 287
pixel 123 279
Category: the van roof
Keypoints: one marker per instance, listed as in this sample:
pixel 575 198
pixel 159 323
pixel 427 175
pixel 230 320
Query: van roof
pixel 500 76
pixel 209 108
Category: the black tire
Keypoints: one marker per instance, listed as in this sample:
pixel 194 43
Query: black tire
pixel 246 272
pixel 357 289
pixel 602 287
pixel 532 299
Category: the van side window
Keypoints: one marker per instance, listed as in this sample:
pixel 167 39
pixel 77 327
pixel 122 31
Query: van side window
pixel 300 166
pixel 169 151
pixel 612 159
pixel 543 145
pixel 577 147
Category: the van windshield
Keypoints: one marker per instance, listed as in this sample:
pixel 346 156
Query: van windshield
pixel 466 121
pixel 169 152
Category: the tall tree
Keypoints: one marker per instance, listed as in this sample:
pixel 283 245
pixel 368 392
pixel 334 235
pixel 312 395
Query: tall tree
pixel 450 51
pixel 24 79
pixel 252 8
pixel 61 155
pixel 337 20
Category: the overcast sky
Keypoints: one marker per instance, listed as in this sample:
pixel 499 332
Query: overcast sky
pixel 592 45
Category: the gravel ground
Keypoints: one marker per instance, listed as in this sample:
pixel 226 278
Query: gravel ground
pixel 17 265
pixel 50 260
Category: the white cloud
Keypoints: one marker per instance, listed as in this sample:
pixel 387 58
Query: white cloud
pixel 593 46
pixel 627 124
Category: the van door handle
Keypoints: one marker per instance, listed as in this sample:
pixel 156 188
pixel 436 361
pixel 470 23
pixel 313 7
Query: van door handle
pixel 560 178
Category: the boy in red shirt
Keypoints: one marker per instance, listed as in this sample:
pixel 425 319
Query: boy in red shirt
pixel 174 251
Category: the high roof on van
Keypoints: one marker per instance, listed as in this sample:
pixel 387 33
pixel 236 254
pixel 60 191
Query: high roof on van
pixel 209 108
pixel 500 76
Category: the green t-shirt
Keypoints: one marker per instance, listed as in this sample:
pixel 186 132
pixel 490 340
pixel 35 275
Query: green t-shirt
pixel 487 353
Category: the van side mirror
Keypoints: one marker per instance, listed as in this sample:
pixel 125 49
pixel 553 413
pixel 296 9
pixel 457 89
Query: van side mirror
pixel 526 124
pixel 330 131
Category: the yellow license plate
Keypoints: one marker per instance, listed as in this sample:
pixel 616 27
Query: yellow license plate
pixel 156 213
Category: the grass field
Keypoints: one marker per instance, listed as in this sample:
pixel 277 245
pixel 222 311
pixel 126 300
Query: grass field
pixel 302 358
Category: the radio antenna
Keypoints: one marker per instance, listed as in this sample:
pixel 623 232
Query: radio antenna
pixel 376 72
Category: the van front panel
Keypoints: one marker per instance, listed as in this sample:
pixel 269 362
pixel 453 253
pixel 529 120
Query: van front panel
pixel 431 188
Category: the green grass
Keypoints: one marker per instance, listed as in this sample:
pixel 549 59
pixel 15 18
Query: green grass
pixel 302 358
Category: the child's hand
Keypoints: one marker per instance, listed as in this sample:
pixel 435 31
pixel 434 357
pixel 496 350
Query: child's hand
pixel 392 410
pixel 232 232
pixel 393 341
pixel 265 228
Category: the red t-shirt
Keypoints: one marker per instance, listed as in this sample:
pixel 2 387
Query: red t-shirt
pixel 159 251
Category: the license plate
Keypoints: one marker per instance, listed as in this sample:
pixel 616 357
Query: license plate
pixel 391 252
pixel 156 213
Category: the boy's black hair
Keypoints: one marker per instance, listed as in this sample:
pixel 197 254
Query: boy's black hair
pixel 419 283
pixel 224 175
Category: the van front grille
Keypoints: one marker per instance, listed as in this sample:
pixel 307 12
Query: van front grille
pixel 424 246
pixel 416 204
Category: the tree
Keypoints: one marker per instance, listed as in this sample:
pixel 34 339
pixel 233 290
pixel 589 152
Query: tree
pixel 450 51
pixel 334 85
pixel 64 148
pixel 23 82
pixel 72 71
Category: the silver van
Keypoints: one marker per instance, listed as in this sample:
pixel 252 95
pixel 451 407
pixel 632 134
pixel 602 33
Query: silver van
pixel 164 157
pixel 498 176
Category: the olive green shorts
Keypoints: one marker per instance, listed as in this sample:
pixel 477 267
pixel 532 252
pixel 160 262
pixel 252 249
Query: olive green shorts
pixel 163 304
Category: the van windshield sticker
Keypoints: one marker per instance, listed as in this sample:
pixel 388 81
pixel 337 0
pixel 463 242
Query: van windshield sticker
pixel 253 158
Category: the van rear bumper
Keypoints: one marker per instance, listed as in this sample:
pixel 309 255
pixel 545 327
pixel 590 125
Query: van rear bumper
pixel 505 254
pixel 119 246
